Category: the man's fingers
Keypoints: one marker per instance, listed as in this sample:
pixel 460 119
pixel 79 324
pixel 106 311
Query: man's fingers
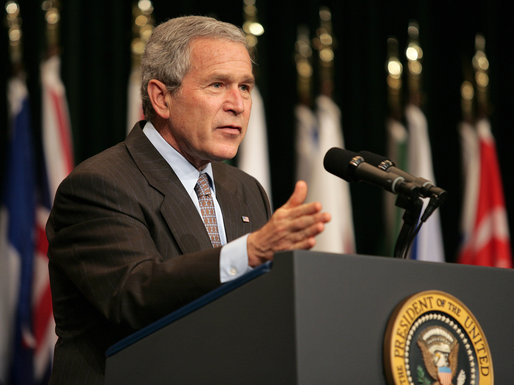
pixel 305 221
pixel 292 214
pixel 307 232
pixel 305 244
pixel 292 226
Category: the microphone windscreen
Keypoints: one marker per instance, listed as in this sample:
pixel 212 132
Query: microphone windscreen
pixel 337 162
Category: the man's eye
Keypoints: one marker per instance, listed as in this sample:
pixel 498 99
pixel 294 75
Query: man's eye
pixel 245 87
pixel 217 85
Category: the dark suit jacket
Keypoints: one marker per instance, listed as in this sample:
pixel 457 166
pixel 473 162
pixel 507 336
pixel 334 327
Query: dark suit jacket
pixel 127 246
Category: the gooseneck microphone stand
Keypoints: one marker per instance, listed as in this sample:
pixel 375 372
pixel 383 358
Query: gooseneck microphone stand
pixel 412 204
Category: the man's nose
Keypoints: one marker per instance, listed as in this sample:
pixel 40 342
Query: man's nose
pixel 234 101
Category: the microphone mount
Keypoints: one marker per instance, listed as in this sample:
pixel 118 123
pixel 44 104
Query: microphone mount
pixel 375 169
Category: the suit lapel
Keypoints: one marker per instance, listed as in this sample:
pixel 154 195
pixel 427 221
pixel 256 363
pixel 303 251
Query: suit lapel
pixel 177 209
pixel 229 196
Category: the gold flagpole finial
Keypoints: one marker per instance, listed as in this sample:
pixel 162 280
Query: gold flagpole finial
pixel 394 77
pixel 251 27
pixel 324 43
pixel 303 59
pixel 13 19
pixel 52 17
pixel 414 54
pixel 467 94
pixel 142 28
pixel 481 68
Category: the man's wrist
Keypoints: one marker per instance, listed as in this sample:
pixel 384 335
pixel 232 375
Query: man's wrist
pixel 234 259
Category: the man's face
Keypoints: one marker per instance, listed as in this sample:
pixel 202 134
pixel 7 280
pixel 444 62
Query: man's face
pixel 209 113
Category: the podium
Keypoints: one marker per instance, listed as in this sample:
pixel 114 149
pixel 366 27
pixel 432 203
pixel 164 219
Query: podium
pixel 308 318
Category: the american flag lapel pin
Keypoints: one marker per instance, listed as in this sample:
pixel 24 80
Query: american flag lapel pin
pixel 245 219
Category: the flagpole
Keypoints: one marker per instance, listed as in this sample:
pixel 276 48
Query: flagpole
pixel 488 242
pixel 306 135
pixel 324 43
pixel 253 155
pixel 414 55
pixel 52 18
pixel 333 193
pixel 394 69
pixel 303 61
pixel 17 216
pixel 481 68
pixel 470 161
pixel 142 27
pixel 398 138
pixel 428 244
pixel 251 26
pixel 396 141
pixel 15 35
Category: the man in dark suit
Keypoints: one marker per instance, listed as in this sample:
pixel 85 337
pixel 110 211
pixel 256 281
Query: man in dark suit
pixel 129 238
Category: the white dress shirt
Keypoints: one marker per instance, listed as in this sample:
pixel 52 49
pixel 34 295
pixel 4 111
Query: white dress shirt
pixel 233 256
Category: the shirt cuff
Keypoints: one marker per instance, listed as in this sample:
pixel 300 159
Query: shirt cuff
pixel 234 259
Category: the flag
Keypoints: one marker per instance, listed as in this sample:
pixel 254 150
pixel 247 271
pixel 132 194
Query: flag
pixel 17 238
pixel 471 177
pixel 58 163
pixel 253 155
pixel 57 139
pixel 397 152
pixel 134 104
pixel 489 241
pixel 332 192
pixel 307 142
pixel 428 244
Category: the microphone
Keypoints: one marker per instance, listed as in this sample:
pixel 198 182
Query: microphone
pixel 353 168
pixel 426 187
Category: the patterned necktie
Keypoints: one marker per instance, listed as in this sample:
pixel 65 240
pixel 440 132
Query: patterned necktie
pixel 203 191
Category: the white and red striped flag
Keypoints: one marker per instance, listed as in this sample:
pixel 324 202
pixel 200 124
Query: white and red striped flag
pixel 489 241
pixel 57 140
pixel 58 154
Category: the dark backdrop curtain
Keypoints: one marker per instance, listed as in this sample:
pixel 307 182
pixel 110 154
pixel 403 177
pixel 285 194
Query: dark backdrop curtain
pixel 96 37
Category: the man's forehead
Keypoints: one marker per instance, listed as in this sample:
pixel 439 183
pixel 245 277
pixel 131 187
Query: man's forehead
pixel 218 52
pixel 200 44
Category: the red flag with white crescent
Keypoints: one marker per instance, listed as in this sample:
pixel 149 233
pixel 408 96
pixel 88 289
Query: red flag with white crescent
pixel 489 242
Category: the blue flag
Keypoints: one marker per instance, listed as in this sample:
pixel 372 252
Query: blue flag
pixel 19 204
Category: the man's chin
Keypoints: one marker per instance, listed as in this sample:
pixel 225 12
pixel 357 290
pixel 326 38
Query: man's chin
pixel 225 157
pixel 226 151
pixel 221 156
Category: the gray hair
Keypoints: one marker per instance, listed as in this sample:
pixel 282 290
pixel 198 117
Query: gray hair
pixel 167 52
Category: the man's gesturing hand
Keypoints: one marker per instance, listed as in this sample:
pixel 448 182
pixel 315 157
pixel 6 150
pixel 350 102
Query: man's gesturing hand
pixel 292 226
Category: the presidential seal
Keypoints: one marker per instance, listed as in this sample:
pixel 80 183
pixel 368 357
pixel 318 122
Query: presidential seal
pixel 432 338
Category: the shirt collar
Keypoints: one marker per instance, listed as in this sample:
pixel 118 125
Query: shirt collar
pixel 185 171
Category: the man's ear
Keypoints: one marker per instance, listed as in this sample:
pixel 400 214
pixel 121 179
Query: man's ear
pixel 157 92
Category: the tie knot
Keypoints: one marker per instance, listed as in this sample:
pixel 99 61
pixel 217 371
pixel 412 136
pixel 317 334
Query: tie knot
pixel 202 186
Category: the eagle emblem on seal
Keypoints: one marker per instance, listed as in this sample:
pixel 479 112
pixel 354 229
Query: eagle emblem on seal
pixel 440 349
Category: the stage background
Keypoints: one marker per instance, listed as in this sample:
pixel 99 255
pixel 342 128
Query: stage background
pixel 96 62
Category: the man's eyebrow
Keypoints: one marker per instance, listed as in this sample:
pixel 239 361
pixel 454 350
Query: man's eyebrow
pixel 229 77
pixel 249 80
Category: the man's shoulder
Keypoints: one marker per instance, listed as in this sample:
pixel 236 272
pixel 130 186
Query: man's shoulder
pixel 113 157
pixel 120 156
